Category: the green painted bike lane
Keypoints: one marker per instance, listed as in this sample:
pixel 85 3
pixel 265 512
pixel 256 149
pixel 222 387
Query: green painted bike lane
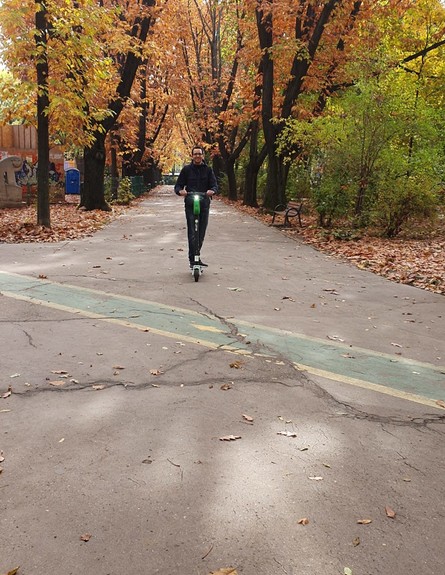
pixel 409 379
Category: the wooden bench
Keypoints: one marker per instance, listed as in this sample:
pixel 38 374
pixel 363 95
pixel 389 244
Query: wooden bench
pixel 290 210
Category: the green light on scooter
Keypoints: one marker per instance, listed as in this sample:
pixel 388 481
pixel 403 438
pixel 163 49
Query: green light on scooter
pixel 196 205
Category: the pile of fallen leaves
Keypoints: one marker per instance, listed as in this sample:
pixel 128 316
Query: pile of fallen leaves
pixel 420 263
pixel 19 225
pixel 415 258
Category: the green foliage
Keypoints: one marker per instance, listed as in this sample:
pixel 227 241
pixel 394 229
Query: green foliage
pixel 375 156
pixel 405 199
pixel 124 195
pixel 298 182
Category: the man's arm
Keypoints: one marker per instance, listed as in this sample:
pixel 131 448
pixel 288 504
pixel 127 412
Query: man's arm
pixel 181 182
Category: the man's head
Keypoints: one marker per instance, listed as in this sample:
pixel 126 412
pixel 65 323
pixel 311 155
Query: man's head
pixel 197 155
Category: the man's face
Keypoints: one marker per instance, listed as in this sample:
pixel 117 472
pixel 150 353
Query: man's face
pixel 197 156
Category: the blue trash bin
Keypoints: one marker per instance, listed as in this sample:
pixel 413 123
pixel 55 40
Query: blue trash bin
pixel 72 181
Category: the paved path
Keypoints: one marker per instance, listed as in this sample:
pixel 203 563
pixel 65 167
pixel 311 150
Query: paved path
pixel 125 373
pixel 392 375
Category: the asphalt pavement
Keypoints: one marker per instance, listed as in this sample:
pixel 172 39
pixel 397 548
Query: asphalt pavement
pixel 283 415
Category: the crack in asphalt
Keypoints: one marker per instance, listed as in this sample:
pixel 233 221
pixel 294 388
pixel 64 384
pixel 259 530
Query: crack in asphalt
pixel 419 422
pixel 276 360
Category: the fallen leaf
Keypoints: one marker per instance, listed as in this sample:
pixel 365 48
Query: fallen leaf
pixel 303 521
pixel 364 521
pixel 98 387
pixel 327 465
pixel 226 386
pixel 440 403
pixel 287 433
pixel 42 277
pixel 230 437
pixel 347 571
pixel 57 383
pixel 236 364
pixel 155 385
pixel 14 375
pixel 118 367
pixel 396 344
pixel 13 571
pixel 60 372
pixel 335 338
pixel 356 541
pixel 7 394
pixel 85 537
pixel 156 372
pixel 224 571
pixel 235 289
pixel 247 417
pixel 390 512
pixel 316 478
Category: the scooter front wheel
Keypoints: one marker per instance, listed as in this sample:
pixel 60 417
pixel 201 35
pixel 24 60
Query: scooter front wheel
pixel 196 274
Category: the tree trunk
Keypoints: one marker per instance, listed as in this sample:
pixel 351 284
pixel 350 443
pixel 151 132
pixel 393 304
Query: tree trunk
pixel 114 173
pixel 94 158
pixel 43 211
pixel 277 173
pixel 250 185
pixel 152 173
pixel 218 166
pixel 310 33
pixel 256 160
pixel 93 196
pixel 231 179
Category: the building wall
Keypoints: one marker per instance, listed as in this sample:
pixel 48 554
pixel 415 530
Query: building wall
pixel 18 141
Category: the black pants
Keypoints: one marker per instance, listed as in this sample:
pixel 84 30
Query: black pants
pixel 203 221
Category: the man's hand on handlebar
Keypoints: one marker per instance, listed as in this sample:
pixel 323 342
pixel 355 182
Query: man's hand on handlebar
pixel 184 192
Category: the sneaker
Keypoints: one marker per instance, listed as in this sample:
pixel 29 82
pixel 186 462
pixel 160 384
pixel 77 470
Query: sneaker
pixel 202 264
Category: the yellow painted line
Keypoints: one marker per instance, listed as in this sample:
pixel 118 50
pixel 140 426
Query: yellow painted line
pixel 368 385
pixel 126 323
pixel 117 321
pixel 228 348
pixel 207 328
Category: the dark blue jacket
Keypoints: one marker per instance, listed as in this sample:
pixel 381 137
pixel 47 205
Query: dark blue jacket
pixel 196 178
